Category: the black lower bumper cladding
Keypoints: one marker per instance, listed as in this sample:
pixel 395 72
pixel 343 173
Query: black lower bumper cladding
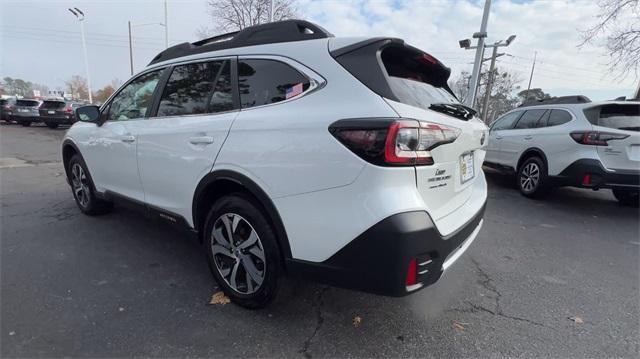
pixel 598 176
pixel 377 261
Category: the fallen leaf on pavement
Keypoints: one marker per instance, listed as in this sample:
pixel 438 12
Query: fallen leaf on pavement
pixel 458 326
pixel 220 298
pixel 357 321
pixel 576 320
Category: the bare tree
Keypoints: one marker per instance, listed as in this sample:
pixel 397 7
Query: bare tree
pixel 503 93
pixel 77 87
pixel 618 28
pixel 233 15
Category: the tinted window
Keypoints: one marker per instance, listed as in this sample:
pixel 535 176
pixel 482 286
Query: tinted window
pixel 222 98
pixel 189 88
pixel 134 100
pixel 558 117
pixel 621 117
pixel 416 78
pixel 263 82
pixel 53 105
pixel 530 119
pixel 27 103
pixel 506 122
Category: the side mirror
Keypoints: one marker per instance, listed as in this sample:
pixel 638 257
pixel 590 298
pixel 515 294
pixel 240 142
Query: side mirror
pixel 88 114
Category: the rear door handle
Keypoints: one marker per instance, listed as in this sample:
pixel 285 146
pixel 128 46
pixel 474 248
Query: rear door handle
pixel 528 137
pixel 128 138
pixel 498 137
pixel 201 140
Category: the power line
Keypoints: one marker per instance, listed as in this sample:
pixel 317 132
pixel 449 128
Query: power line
pixel 26 37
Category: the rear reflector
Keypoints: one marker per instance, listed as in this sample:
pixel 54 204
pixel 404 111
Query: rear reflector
pixel 412 273
pixel 586 180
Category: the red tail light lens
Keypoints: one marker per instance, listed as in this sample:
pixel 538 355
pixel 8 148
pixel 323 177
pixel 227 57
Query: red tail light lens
pixel 68 109
pixel 412 273
pixel 596 138
pixel 393 142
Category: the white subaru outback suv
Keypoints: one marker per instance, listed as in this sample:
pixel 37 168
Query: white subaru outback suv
pixel 570 141
pixel 286 150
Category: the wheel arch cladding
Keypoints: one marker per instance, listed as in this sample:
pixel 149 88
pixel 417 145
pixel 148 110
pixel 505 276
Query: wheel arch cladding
pixel 69 149
pixel 219 183
pixel 532 152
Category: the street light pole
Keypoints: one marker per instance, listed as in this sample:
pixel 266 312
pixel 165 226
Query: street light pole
pixel 130 50
pixel 80 16
pixel 271 11
pixel 535 54
pixel 475 74
pixel 166 26
pixel 487 94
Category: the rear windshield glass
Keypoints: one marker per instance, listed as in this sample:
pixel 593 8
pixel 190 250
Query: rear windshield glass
pixel 416 78
pixel 29 103
pixel 53 105
pixel 3 102
pixel 619 116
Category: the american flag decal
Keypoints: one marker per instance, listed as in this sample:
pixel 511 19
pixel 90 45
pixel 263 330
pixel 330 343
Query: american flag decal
pixel 293 91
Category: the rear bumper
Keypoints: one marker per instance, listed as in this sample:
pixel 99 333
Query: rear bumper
pixel 378 260
pixel 68 120
pixel 17 116
pixel 590 173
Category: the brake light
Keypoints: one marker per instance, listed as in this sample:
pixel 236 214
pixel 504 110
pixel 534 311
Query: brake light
pixel 393 142
pixel 68 109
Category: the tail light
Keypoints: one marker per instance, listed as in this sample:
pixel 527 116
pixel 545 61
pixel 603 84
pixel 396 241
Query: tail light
pixel 596 138
pixel 412 273
pixel 390 142
pixel 68 109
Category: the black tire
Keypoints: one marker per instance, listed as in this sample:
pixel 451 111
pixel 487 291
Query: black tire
pixel 252 220
pixel 52 125
pixel 85 197
pixel 25 123
pixel 627 197
pixel 532 178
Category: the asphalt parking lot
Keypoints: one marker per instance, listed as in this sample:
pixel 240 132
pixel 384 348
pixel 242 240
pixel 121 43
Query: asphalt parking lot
pixel 552 278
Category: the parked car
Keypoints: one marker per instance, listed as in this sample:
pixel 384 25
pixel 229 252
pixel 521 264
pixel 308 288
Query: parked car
pixel 570 141
pixel 58 112
pixel 24 111
pixel 348 161
pixel 6 108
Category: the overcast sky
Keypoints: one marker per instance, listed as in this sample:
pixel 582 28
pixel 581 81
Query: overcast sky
pixel 40 40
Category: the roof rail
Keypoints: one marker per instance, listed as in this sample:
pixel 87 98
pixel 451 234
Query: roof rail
pixel 273 32
pixel 557 100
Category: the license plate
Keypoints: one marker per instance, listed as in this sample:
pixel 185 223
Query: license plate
pixel 466 167
pixel 51 112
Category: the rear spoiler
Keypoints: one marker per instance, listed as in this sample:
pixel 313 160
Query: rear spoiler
pixel 362 60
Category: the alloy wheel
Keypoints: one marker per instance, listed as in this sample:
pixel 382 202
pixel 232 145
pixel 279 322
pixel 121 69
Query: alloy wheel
pixel 530 177
pixel 80 185
pixel 238 253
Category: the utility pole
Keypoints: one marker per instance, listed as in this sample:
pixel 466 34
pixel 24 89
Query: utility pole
pixel 166 26
pixel 475 74
pixel 130 50
pixel 487 95
pixel 80 16
pixel 532 68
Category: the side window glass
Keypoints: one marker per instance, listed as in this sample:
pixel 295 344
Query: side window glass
pixel 133 101
pixel 222 97
pixel 263 82
pixel 188 89
pixel 506 122
pixel 530 119
pixel 558 117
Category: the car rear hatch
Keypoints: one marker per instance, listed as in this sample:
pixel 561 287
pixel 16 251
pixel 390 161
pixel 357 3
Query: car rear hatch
pixel 618 128
pixel 54 108
pixel 414 84
pixel 27 107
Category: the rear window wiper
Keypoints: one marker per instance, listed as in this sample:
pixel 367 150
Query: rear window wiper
pixel 454 109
